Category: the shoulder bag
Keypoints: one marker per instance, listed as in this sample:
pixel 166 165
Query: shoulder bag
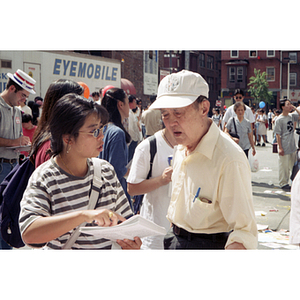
pixel 234 135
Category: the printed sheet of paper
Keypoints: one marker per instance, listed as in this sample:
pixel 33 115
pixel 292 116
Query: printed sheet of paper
pixel 134 226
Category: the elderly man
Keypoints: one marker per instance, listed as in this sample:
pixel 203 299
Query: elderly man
pixel 211 205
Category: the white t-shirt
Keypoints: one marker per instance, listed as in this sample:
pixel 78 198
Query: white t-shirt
pixel 156 203
pixel 230 113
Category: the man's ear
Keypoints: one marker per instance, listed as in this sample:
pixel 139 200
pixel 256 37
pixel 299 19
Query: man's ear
pixel 205 106
pixel 12 88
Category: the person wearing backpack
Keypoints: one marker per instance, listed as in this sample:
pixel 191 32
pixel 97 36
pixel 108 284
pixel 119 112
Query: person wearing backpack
pixel 57 198
pixel 18 88
pixel 156 188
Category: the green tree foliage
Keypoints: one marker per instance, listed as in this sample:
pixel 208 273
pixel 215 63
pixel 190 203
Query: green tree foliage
pixel 259 87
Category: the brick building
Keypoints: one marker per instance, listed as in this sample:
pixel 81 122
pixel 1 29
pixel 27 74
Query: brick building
pixel 206 63
pixel 238 66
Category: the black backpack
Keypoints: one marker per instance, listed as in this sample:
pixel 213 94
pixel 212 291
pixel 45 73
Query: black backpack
pixel 11 193
pixel 138 199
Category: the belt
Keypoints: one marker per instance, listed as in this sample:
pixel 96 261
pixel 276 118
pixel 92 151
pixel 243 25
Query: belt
pixel 7 160
pixel 209 236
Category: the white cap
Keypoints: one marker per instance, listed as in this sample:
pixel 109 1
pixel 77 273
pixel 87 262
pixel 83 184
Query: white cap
pixel 23 80
pixel 180 89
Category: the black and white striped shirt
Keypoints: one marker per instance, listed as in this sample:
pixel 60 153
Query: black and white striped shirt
pixel 52 191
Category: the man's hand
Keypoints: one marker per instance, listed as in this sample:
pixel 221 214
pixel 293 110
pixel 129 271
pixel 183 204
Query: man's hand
pixel 280 151
pixel 24 140
pixel 235 246
pixel 166 176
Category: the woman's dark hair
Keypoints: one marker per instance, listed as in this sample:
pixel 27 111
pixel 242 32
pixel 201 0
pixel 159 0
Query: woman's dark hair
pixel 56 90
pixel 68 116
pixel 110 102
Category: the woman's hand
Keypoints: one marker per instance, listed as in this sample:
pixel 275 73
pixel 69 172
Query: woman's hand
pixel 103 217
pixel 130 244
pixel 236 139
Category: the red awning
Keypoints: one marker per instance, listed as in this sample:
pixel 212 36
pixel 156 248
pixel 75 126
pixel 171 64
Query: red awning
pixel 128 86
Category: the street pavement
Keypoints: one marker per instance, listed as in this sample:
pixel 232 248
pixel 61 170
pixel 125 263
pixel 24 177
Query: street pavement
pixel 272 204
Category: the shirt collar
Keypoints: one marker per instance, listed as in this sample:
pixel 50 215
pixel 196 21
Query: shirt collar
pixel 207 143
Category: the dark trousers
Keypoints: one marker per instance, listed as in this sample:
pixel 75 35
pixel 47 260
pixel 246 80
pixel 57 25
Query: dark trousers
pixel 188 241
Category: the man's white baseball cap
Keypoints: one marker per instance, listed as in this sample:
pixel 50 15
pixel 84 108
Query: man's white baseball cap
pixel 180 89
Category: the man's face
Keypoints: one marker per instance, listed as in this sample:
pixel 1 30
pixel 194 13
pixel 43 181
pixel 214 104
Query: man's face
pixel 287 106
pixel 185 124
pixel 96 98
pixel 132 104
pixel 16 98
pixel 238 98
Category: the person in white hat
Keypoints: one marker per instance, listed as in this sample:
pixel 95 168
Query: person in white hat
pixel 17 90
pixel 211 205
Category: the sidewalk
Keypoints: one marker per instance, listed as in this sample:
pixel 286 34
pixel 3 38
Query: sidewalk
pixel 272 204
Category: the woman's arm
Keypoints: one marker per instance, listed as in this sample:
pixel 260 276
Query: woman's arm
pixel 46 229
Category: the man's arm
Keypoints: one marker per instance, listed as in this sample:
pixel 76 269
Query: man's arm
pixel 280 149
pixel 21 141
pixel 149 185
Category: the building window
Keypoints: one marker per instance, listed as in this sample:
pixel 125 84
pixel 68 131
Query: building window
pixel 234 53
pixel 5 63
pixel 210 62
pixel 270 53
pixel 293 79
pixel 270 73
pixel 202 60
pixel 293 57
pixel 231 74
pixel 239 71
pixel 210 81
pixel 252 53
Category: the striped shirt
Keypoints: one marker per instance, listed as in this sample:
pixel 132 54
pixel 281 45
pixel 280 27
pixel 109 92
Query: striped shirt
pixel 51 191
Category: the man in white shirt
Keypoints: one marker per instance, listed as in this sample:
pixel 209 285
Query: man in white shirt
pixel 211 205
pixel 239 97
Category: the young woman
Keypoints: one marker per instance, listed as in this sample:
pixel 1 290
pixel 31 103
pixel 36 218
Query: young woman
pixel 262 120
pixel 40 148
pixel 243 127
pixel 57 196
pixel 116 138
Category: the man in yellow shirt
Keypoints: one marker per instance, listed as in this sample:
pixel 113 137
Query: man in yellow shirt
pixel 211 205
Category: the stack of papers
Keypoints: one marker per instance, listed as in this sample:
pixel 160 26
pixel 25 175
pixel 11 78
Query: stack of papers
pixel 134 226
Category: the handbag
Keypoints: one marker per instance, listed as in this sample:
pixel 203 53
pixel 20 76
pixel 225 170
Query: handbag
pixel 97 182
pixel 234 135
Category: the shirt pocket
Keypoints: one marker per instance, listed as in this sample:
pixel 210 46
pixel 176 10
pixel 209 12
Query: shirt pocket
pixel 199 212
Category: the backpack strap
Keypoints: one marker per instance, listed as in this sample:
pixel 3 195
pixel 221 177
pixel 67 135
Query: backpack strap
pixel 234 125
pixel 97 182
pixel 153 150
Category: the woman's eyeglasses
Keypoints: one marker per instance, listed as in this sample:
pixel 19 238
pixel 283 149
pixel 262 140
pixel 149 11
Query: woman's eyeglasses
pixel 95 133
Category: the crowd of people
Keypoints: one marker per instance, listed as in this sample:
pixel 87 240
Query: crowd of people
pixel 199 189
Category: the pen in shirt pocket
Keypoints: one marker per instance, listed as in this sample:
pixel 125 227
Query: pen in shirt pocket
pixel 197 194
pixel 201 199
